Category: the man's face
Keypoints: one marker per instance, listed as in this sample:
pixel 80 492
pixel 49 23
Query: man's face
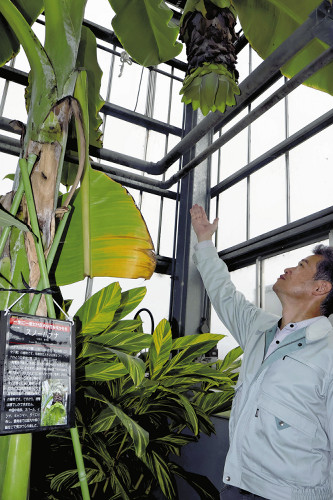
pixel 298 281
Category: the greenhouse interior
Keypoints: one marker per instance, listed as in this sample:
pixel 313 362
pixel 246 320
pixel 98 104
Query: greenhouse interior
pixel 139 407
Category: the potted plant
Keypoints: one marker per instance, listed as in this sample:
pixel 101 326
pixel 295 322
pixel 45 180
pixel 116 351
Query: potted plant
pixel 136 394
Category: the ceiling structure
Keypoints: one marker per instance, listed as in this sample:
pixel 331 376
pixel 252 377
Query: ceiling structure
pixel 198 140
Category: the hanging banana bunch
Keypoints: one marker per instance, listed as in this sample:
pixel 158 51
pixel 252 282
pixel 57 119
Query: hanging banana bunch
pixel 207 29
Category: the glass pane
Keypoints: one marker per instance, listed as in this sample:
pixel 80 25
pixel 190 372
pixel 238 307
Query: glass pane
pixel 268 130
pixel 232 215
pixel 15 103
pixel 306 104
pixel 311 175
pixel 168 227
pixel 8 164
pixel 234 154
pixel 124 137
pixel 162 92
pixel 268 198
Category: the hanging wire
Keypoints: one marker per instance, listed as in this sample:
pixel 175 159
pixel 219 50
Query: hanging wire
pixel 139 89
pixel 150 315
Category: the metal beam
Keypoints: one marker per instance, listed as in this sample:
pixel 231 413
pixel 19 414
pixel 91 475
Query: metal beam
pixel 272 154
pixel 302 232
pixel 188 308
pixel 258 81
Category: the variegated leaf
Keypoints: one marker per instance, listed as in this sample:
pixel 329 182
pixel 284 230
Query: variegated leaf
pixel 129 301
pixel 104 421
pixel 135 366
pixel 192 417
pixel 160 349
pixel 187 340
pixel 126 341
pixel 98 311
pixel 105 371
pixel 139 435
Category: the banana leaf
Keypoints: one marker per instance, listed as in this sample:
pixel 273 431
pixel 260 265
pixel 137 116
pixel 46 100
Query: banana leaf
pixel 87 59
pixel 120 244
pixel 10 45
pixel 107 235
pixel 267 23
pixel 63 22
pixel 145 30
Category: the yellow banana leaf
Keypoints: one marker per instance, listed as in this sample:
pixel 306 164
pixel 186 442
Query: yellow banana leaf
pixel 267 23
pixel 118 243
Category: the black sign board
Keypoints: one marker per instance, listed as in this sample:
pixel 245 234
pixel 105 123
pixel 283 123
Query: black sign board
pixel 37 363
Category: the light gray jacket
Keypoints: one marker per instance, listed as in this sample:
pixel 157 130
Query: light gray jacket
pixel 281 425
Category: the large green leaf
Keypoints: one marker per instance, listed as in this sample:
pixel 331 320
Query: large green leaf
pixel 42 81
pixel 190 412
pixel 104 421
pixel 126 325
pixel 145 30
pixel 6 219
pixel 129 301
pixel 160 349
pixel 103 372
pixel 120 244
pixel 139 435
pixel 159 467
pixel 197 338
pixel 107 235
pixel 10 45
pixel 267 23
pixel 229 359
pixel 98 311
pixel 126 341
pixel 87 59
pixel 135 366
pixel 63 22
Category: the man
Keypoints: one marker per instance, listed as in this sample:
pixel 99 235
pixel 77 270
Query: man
pixel 281 424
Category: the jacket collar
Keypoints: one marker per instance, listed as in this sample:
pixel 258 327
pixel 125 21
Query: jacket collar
pixel 318 330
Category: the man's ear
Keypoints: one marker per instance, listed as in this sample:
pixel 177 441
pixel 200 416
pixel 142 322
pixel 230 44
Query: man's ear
pixel 322 287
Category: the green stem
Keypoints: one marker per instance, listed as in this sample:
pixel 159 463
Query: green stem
pixel 50 259
pixel 4 447
pixel 15 486
pixel 16 203
pixel 80 464
pixel 38 239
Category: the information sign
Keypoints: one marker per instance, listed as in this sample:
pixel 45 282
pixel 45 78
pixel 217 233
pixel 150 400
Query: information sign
pixel 37 364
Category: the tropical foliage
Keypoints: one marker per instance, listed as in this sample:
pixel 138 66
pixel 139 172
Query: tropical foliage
pixel 108 238
pixel 207 29
pixel 136 395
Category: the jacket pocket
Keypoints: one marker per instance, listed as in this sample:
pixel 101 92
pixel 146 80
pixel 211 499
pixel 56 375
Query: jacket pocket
pixel 287 416
pixel 279 445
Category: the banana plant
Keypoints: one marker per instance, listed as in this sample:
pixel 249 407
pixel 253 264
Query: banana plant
pixel 113 240
pixel 207 27
pixel 134 400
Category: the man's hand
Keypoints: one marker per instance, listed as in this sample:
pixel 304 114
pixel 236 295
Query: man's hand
pixel 201 225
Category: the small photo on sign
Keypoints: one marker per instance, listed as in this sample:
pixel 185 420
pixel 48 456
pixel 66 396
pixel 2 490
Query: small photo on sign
pixel 54 402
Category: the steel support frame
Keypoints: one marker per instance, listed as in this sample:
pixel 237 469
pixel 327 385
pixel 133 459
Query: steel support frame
pixel 188 309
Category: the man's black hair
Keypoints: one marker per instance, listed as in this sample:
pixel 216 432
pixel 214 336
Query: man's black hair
pixel 325 272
